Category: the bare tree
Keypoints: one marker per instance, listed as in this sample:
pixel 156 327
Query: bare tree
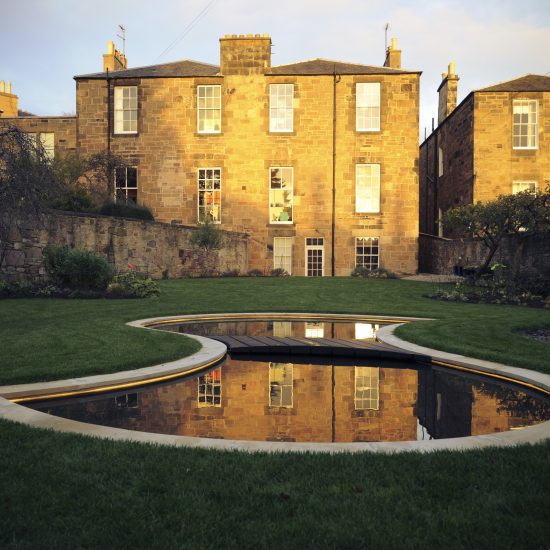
pixel 27 184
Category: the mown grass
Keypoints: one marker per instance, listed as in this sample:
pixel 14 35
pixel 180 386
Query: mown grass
pixel 67 491
pixel 45 339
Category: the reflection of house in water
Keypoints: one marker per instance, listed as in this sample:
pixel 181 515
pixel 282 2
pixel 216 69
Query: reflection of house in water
pixel 450 405
pixel 318 403
pixel 280 329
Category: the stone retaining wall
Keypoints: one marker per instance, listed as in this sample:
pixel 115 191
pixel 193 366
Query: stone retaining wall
pixel 160 249
pixel 440 255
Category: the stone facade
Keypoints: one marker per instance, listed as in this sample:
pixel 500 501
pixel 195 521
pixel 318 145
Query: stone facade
pixel 159 249
pixel 63 128
pixel 471 157
pixel 323 149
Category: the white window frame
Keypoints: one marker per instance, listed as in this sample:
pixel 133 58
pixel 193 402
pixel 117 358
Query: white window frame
pixel 276 382
pixel 316 246
pixel 290 221
pixel 284 244
pixel 375 242
pixel 439 161
pixel 210 381
pixel 374 181
pixel 370 403
pixel 314 329
pixel 120 109
pixel 367 101
pixel 281 94
pixel 41 139
pixel 530 124
pixel 213 108
pixel 366 331
pixel 525 185
pixel 125 187
pixel 214 169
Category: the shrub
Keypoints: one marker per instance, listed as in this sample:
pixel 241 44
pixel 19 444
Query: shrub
pixel 379 273
pixel 255 273
pixel 132 284
pixel 231 273
pixel 207 236
pixel 74 199
pixel 77 269
pixel 127 210
pixel 279 272
pixel 53 258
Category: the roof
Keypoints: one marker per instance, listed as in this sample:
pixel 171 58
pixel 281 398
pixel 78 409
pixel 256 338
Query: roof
pixel 326 66
pixel 165 70
pixel 527 83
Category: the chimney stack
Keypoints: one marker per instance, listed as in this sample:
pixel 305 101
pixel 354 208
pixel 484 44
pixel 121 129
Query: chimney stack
pixel 8 101
pixel 393 55
pixel 113 60
pixel 243 55
pixel 448 93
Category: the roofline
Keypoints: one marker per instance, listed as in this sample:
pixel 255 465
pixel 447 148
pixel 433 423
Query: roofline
pixel 343 74
pixel 34 117
pixel 397 71
pixel 455 110
pixel 104 76
pixel 97 75
pixel 508 81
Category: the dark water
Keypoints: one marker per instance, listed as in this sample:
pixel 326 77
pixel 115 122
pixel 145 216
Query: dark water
pixel 291 399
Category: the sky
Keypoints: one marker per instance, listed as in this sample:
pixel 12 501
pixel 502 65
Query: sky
pixel 44 43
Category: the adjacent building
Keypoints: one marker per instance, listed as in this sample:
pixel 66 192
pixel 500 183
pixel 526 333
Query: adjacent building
pixel 317 161
pixel 496 142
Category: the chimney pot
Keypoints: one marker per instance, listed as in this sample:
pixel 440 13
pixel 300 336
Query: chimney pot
pixel 394 43
pixel 448 93
pixel 2 86
pixel 110 47
pixel 9 88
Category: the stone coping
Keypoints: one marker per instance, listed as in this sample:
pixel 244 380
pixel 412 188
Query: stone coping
pixel 211 352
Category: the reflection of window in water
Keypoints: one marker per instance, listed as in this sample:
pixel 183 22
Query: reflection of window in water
pixel 315 330
pixel 282 329
pixel 281 378
pixel 366 388
pixel 210 389
pixel 127 401
pixel 364 331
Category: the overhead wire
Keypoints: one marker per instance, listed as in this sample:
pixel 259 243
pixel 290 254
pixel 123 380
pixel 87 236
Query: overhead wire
pixel 188 28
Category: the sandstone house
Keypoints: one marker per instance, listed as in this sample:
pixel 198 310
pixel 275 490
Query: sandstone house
pixel 496 142
pixel 317 161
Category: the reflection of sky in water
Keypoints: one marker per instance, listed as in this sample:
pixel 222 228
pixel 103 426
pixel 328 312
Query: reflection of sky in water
pixel 293 401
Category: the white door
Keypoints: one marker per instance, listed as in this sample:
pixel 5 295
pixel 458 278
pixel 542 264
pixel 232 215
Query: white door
pixel 315 256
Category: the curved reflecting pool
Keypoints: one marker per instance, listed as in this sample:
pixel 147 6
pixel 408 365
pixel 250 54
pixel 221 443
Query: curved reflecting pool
pixel 309 399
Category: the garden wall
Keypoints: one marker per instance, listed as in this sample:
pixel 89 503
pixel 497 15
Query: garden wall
pixel 160 249
pixel 440 255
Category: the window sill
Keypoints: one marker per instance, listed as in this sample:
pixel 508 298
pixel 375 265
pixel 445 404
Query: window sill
pixel 525 148
pixel 280 224
pixel 358 131
pixel 281 133
pixel 125 134
pixel 206 134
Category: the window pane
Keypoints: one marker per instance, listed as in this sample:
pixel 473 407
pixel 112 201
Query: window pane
pixel 281 99
pixel 367 101
pixel 281 195
pixel 367 188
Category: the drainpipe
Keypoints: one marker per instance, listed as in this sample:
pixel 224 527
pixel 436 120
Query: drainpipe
pixel 436 185
pixel 108 112
pixel 335 80
pixel 110 182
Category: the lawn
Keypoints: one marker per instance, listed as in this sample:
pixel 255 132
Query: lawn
pixel 68 491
